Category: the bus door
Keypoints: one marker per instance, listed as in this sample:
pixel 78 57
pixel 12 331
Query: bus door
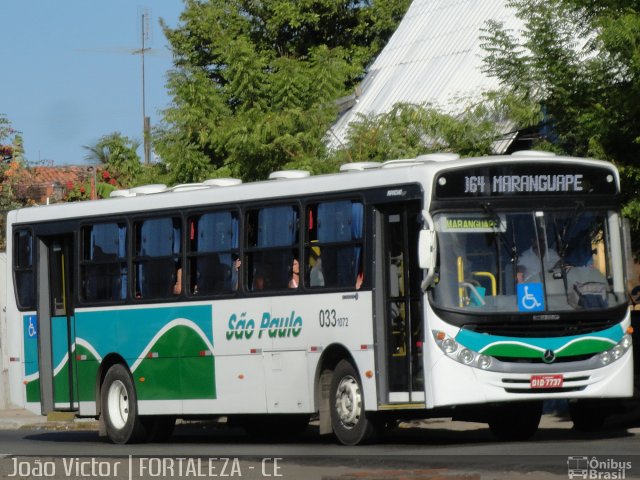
pixel 400 305
pixel 55 322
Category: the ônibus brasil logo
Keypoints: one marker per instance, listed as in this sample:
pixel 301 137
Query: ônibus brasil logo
pixel 276 327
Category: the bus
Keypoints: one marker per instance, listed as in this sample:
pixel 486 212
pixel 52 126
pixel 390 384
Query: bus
pixel 472 288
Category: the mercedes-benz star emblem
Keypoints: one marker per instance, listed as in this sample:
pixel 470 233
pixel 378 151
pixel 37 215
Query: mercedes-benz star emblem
pixel 549 356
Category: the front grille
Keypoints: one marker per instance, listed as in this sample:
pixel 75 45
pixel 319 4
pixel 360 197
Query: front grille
pixel 575 358
pixel 545 390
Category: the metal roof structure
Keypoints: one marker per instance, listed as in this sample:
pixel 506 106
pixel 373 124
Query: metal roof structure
pixel 433 57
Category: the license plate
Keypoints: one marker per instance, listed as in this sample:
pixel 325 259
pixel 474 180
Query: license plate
pixel 546 381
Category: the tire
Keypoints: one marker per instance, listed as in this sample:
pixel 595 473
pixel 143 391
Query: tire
pixel 120 407
pixel 587 417
pixel 516 421
pixel 352 425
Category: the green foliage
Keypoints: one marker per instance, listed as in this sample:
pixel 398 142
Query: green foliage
pixel 5 127
pixel 581 61
pixel 11 159
pixel 254 82
pixel 117 154
pixel 411 130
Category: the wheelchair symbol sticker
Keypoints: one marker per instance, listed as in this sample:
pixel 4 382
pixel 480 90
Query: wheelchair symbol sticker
pixel 32 328
pixel 530 297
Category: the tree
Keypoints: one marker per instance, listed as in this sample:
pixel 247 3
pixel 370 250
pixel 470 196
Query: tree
pixel 581 61
pixel 11 158
pixel 117 155
pixel 409 130
pixel 254 82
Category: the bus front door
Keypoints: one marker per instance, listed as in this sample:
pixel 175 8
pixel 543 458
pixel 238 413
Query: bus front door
pixel 55 322
pixel 400 362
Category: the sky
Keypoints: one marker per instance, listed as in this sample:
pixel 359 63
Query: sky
pixel 69 77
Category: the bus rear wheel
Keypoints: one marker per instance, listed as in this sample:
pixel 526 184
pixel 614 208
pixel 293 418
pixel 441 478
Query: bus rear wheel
pixel 351 423
pixel 120 407
pixel 516 421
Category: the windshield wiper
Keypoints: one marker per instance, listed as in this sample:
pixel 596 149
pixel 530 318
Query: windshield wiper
pixel 510 246
pixel 559 270
pixel 561 237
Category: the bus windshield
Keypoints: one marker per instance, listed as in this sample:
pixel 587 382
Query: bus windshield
pixel 529 261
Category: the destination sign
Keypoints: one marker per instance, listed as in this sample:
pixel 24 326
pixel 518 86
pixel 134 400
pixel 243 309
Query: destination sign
pixel 516 180
pixel 471 223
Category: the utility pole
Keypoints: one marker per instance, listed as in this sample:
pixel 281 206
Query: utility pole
pixel 146 121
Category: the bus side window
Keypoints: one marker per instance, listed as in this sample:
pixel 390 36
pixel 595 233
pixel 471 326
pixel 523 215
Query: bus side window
pixel 157 262
pixel 334 252
pixel 103 265
pixel 272 236
pixel 213 251
pixel 23 270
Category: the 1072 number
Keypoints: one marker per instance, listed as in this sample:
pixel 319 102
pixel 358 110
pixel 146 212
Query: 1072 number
pixel 329 318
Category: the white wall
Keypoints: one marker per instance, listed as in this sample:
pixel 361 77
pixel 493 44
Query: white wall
pixel 4 351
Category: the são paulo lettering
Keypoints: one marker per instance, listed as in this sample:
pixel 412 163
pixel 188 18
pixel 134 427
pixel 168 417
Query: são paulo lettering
pixel 242 327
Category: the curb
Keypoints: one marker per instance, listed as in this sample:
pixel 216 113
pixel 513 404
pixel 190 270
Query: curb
pixel 13 419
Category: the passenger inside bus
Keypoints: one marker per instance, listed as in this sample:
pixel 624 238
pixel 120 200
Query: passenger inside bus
pixel 294 280
pixel 258 280
pixel 316 277
pixel 529 266
pixel 177 287
pixel 235 271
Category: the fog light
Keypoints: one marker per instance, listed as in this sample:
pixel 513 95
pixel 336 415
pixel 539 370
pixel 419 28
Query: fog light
pixel 449 345
pixel 605 358
pixel 466 356
pixel 484 361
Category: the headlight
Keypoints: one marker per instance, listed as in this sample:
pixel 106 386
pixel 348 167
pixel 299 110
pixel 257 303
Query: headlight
pixel 484 362
pixel 449 345
pixel 451 348
pixel 617 351
pixel 466 356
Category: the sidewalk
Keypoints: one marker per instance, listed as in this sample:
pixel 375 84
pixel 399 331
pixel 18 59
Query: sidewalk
pixel 14 418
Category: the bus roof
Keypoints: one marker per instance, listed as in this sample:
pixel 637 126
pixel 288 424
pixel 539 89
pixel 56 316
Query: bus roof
pixel 354 176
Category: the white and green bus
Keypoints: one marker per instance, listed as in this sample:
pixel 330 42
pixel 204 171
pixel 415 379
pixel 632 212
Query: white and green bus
pixel 434 286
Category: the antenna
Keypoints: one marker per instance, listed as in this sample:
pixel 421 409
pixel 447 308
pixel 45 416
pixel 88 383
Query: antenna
pixel 146 121
pixel 145 34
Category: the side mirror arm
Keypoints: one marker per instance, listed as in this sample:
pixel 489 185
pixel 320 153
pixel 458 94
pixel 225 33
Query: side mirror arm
pixel 427 250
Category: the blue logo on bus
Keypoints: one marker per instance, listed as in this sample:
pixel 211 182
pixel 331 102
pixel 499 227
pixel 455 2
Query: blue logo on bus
pixel 530 297
pixel 32 328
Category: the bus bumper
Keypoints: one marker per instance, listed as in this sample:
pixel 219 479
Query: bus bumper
pixel 459 384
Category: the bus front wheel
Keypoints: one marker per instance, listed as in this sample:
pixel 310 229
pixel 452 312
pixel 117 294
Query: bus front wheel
pixel 351 423
pixel 120 407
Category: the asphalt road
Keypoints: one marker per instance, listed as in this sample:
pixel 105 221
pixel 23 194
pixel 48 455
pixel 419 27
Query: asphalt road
pixel 437 449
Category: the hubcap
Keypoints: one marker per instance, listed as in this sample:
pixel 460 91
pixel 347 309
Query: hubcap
pixel 118 404
pixel 348 402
